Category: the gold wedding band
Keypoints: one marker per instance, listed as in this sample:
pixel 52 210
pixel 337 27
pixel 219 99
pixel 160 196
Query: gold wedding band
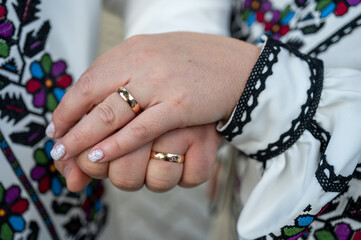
pixel 129 99
pixel 169 157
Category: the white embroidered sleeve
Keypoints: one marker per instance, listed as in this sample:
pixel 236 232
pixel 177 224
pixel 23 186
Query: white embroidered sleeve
pixel 303 123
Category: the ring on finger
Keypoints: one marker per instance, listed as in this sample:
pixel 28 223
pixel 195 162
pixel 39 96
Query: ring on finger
pixel 169 157
pixel 129 99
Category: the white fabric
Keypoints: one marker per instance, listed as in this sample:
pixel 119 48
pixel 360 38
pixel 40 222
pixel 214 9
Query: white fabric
pixel 288 182
pixel 157 16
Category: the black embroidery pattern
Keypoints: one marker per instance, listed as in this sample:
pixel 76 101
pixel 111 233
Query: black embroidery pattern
pixel 19 45
pixel 336 37
pixel 308 110
pixel 322 227
pixel 255 85
pixel 329 181
pixel 357 173
pixel 319 133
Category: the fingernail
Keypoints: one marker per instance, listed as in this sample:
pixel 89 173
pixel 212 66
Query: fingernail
pixel 50 130
pixel 95 155
pixel 67 171
pixel 58 152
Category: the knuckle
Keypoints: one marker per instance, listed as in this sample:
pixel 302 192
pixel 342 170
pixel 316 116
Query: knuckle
pixel 139 131
pixel 75 137
pixel 59 114
pixel 98 171
pixel 83 85
pixel 189 182
pixel 127 184
pixel 198 177
pixel 106 113
pixel 157 184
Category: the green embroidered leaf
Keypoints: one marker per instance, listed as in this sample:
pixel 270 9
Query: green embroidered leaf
pixel 2 191
pixel 322 4
pixel 6 232
pixel 4 49
pixel 324 235
pixel 46 63
pixel 40 157
pixel 285 11
pixel 291 231
pixel 51 102
pixel 245 14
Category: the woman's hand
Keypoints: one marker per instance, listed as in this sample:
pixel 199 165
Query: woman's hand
pixel 179 80
pixel 130 172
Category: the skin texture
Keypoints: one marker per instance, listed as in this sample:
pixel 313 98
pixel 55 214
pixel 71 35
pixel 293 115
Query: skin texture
pixel 184 83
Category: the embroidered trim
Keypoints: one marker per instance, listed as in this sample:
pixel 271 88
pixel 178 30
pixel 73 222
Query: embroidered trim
pixel 357 172
pixel 13 162
pixel 254 86
pixel 345 30
pixel 319 133
pixel 329 181
pixel 308 110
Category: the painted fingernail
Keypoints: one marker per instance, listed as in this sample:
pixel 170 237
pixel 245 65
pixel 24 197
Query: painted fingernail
pixel 67 171
pixel 95 155
pixel 50 130
pixel 58 152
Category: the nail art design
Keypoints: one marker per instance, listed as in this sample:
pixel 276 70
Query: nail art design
pixel 95 155
pixel 50 130
pixel 58 152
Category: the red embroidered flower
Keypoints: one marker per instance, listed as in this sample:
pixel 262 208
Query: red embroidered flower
pixel 339 7
pixel 92 204
pixel 12 206
pixel 6 32
pixel 278 26
pixel 45 172
pixel 48 83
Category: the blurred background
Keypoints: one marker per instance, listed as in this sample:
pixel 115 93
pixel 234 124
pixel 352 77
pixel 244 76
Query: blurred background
pixel 143 215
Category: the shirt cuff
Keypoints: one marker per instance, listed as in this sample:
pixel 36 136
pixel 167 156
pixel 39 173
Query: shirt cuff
pixel 278 102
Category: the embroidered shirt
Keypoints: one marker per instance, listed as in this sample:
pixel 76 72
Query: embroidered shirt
pixel 42 52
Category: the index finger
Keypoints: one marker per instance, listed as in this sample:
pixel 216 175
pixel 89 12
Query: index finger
pixel 88 91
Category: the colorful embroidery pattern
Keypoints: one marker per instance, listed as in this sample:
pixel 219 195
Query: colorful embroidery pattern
pixel 37 84
pixel 48 82
pixel 295 16
pixel 92 204
pixel 6 32
pixel 303 225
pixel 45 172
pixel 12 206
pixel 14 163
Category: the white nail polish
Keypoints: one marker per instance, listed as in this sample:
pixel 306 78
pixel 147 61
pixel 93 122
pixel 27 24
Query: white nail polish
pixel 95 155
pixel 50 130
pixel 58 152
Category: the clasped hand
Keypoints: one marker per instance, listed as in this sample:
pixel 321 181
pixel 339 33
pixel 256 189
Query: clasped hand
pixel 184 83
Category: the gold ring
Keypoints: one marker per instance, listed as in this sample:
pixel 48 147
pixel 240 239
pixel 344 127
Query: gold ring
pixel 169 157
pixel 129 99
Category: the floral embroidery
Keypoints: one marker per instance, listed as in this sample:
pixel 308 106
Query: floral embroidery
pixel 6 32
pixel 338 7
pixel 48 82
pixel 45 85
pixel 45 173
pixel 341 231
pixel 92 204
pixel 276 22
pixel 12 206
